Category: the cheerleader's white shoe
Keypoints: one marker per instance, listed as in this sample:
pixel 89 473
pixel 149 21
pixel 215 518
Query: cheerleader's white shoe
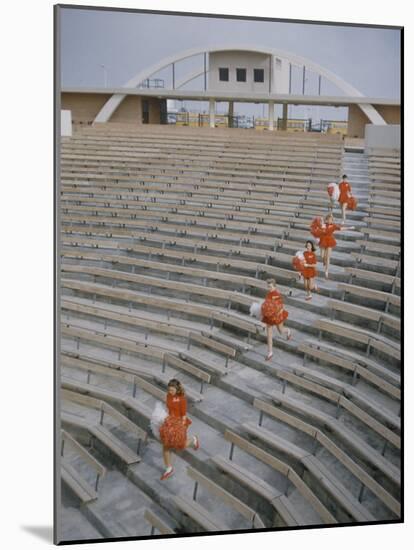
pixel 168 473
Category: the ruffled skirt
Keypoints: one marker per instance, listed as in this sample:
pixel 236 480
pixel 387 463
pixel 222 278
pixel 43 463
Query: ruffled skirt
pixel 309 272
pixel 173 433
pixel 327 241
pixel 273 313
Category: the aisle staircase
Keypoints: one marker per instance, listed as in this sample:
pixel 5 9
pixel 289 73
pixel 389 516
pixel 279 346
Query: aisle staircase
pixel 355 166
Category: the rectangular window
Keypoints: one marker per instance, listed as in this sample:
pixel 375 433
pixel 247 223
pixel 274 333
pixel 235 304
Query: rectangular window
pixel 241 75
pixel 223 75
pixel 258 75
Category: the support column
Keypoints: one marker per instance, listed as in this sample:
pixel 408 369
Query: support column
pixel 231 113
pixel 205 71
pixel 212 113
pixel 285 116
pixel 271 115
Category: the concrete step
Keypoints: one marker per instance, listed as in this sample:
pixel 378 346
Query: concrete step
pixel 121 506
pixel 358 178
pixel 75 527
pixel 354 162
pixel 147 478
pixel 354 169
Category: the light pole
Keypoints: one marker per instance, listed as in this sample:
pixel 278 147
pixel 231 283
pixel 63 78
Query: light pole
pixel 105 75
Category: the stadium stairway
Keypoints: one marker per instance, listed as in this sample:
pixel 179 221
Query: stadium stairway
pixel 355 166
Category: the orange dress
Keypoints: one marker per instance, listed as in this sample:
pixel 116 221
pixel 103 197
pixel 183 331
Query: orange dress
pixel 327 240
pixel 344 190
pixel 173 431
pixel 310 258
pixel 273 312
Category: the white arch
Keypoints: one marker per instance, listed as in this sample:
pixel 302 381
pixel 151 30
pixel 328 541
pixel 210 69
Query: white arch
pixel 113 102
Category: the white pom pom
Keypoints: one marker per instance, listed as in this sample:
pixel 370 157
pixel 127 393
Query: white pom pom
pixel 299 254
pixel 256 310
pixel 335 193
pixel 158 416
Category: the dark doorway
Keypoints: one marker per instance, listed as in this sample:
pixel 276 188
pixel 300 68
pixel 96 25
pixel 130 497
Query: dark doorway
pixel 163 111
pixel 145 111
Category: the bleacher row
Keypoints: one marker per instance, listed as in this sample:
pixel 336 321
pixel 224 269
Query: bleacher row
pixel 167 237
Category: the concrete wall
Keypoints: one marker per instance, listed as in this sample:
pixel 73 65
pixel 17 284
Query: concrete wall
pixel 280 76
pixel 84 107
pixel 356 122
pixel 390 113
pixel 382 137
pixel 238 60
pixel 130 111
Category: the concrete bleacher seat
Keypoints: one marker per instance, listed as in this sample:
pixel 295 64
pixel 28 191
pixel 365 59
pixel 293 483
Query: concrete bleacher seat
pixel 362 315
pixel 286 514
pixel 320 438
pixel 83 490
pixel 293 478
pixel 327 355
pixel 102 435
pixel 75 482
pixel 380 249
pixel 201 255
pixel 177 287
pixel 389 282
pixel 384 212
pixel 369 341
pixel 70 392
pixel 251 515
pixel 246 283
pixel 148 385
pixel 381 222
pixel 158 523
pixel 346 399
pixel 224 314
pixel 387 299
pixel 68 441
pixel 204 520
pixel 381 234
pixel 137 376
pixel 110 228
pixel 372 457
pixel 313 467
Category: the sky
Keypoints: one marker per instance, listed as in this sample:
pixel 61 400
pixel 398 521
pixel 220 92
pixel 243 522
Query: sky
pixel 127 42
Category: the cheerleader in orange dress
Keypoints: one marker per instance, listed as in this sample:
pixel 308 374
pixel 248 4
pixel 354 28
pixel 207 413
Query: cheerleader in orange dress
pixel 273 314
pixel 327 240
pixel 345 194
pixel 173 431
pixel 309 270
